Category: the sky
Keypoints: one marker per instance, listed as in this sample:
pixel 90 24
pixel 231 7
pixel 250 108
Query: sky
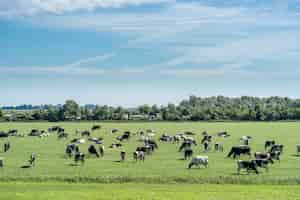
pixel 132 52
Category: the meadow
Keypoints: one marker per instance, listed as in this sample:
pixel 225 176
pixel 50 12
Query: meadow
pixel 130 191
pixel 164 166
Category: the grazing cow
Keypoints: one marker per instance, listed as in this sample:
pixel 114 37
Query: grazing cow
pixel 79 157
pixel 62 135
pixel 248 165
pixel 236 151
pixel 115 145
pixel 223 134
pixel 269 143
pixel 275 155
pixel 245 139
pixel 13 132
pixel 206 145
pixel 6 146
pixel 188 153
pixel 298 149
pixel 125 136
pixel 139 155
pixel 176 138
pixel 93 151
pixel 56 128
pixel 277 147
pixel 150 131
pixel 86 133
pixel 219 147
pixel 34 132
pixel 3 134
pixel 263 156
pixel 95 127
pixel 185 145
pixel 263 163
pixel 206 138
pixel 101 150
pixel 114 130
pixel 123 156
pixel 69 150
pixel 165 138
pixel 152 143
pixel 198 161
pixel 32 160
pixel 146 149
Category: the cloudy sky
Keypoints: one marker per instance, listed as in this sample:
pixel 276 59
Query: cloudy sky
pixel 130 52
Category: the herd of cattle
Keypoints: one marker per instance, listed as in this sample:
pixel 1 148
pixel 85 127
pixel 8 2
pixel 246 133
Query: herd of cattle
pixel 186 142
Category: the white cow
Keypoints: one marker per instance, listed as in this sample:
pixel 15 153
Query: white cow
pixel 199 160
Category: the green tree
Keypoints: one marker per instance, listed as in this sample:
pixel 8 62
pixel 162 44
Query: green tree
pixel 71 110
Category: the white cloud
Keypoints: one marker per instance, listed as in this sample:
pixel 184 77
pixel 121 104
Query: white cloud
pixel 32 7
pixel 79 67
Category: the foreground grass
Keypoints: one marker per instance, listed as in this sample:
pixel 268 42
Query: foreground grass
pixel 164 166
pixel 62 191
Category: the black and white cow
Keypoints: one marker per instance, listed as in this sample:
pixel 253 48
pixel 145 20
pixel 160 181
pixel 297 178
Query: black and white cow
pixel 188 153
pixel 236 151
pixel 198 161
pixel 269 143
pixel 248 165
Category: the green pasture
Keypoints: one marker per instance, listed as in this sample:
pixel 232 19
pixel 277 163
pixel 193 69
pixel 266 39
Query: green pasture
pixel 164 166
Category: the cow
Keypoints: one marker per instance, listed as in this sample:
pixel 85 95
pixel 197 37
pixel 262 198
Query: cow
pixel 218 147
pixel 188 153
pixel 69 150
pixel 263 163
pixel 245 139
pixel 78 140
pixel 184 145
pixel 206 146
pixel 3 134
pixel 6 146
pixel 223 134
pixel 248 165
pixel 32 160
pixel 123 155
pixel 93 151
pixel 35 132
pixel 62 135
pixel 165 138
pixel 151 143
pixel 114 131
pixel 115 145
pixel 269 143
pixel 236 151
pixel 79 157
pixel 139 155
pixel 95 127
pixel 198 161
pixel 101 150
pixel 86 133
pixel 298 149
pixel 206 138
pixel 13 132
pixel 275 155
pixel 176 139
pixel 263 156
pixel 146 149
pixel 125 136
pixel 277 147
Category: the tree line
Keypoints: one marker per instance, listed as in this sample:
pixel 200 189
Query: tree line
pixel 194 109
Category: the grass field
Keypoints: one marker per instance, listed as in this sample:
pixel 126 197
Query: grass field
pixel 164 166
pixel 62 191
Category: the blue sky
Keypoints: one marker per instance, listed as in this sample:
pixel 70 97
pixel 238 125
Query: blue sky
pixel 131 52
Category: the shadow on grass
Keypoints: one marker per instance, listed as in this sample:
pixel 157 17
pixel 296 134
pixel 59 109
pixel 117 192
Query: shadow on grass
pixel 25 166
